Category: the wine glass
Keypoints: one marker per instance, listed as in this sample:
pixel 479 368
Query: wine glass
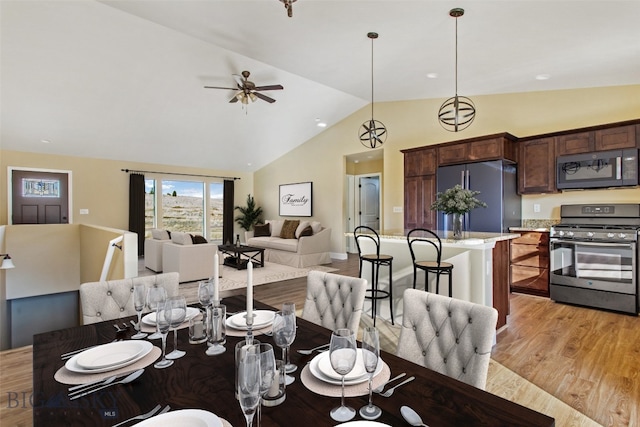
pixel 178 314
pixel 267 372
pixel 155 296
pixel 284 332
pixel 163 321
pixel 290 309
pixel 139 300
pixel 342 354
pixel 249 384
pixel 370 356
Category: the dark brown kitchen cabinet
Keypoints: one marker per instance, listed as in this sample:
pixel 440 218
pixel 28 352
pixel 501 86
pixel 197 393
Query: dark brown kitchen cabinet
pixel 536 166
pixel 419 194
pixel 529 270
pixel 491 147
pixel 615 138
pixel 420 162
pixel 575 143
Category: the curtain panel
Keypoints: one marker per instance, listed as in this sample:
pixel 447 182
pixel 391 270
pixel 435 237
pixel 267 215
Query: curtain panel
pixel 136 208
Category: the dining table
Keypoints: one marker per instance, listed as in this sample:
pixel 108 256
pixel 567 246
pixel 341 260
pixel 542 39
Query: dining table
pixel 201 381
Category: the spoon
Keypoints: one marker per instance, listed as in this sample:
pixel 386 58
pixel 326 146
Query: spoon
pixel 412 417
pixel 307 352
pixel 125 380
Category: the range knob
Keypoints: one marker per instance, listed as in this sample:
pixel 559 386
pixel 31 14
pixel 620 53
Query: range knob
pixel 570 233
pixel 611 235
pixel 590 234
pixel 560 233
pixel 622 235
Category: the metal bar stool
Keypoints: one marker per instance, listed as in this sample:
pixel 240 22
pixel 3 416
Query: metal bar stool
pixel 438 267
pixel 376 260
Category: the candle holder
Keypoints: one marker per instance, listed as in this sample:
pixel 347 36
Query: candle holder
pixel 277 393
pixel 218 333
pixel 249 321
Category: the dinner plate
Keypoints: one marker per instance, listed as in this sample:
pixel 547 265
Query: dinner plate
pixel 261 319
pixel 361 423
pixel 108 355
pixel 324 365
pixel 183 418
pixel 72 364
pixel 150 319
pixel 315 371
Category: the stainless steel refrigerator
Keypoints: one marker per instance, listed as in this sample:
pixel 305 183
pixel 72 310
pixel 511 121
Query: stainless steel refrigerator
pixel 497 182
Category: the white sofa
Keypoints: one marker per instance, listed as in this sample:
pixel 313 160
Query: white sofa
pixel 191 261
pixel 301 251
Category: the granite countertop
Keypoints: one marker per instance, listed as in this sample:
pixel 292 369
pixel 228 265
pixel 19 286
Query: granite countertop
pixel 470 237
pixel 538 229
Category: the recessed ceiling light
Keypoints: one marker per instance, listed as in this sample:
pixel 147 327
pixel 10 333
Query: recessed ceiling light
pixel 45 141
pixel 432 75
pixel 543 77
pixel 356 161
pixel 322 124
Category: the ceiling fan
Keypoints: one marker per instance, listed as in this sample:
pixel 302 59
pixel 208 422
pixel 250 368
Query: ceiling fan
pixel 247 90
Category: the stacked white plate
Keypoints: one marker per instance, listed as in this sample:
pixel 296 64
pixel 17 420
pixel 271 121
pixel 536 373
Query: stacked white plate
pixel 320 367
pixel 183 418
pixel 150 319
pixel 109 357
pixel 361 423
pixel 261 319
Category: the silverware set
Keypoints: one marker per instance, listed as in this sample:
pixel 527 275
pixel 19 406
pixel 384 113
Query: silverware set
pixel 311 350
pixel 390 391
pixel 124 328
pixel 149 414
pixel 85 389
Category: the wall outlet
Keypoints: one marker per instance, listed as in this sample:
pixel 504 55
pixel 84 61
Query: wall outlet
pixel 397 209
pixel 536 207
pixel 84 211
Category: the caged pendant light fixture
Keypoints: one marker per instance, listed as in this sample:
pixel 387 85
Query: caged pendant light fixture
pixel 372 133
pixel 456 113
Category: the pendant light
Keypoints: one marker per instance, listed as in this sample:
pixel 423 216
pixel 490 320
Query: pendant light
pixel 372 133
pixel 456 113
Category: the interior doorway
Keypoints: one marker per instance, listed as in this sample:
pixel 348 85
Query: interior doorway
pixel 39 196
pixel 363 204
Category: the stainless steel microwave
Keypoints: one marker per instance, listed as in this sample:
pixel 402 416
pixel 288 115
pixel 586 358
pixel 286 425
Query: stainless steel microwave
pixel 602 169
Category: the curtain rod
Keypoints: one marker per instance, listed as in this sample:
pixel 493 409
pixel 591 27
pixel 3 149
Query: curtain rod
pixel 182 174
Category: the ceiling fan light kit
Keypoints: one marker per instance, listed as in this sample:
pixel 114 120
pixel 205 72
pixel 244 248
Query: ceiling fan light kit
pixel 372 133
pixel 247 90
pixel 456 113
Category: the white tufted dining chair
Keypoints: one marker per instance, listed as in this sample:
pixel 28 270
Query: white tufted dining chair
pixel 448 335
pixel 113 299
pixel 334 301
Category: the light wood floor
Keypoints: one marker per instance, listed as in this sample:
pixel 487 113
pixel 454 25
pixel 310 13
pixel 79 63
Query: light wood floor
pixel 587 358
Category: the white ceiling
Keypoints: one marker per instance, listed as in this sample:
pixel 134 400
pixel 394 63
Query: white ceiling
pixel 123 79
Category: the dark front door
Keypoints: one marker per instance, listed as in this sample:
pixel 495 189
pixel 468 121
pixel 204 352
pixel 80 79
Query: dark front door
pixel 40 197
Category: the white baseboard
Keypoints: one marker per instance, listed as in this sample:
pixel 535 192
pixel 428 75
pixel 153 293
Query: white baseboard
pixel 339 255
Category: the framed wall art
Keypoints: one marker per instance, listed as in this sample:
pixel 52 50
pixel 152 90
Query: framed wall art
pixel 295 199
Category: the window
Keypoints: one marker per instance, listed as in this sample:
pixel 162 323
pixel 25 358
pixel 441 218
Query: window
pixel 183 206
pixel 215 211
pixel 149 204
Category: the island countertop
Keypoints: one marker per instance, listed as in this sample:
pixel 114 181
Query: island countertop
pixel 469 237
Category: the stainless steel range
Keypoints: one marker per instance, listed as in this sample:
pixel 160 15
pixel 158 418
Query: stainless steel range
pixel 594 256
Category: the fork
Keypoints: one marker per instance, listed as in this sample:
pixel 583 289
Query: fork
pixel 149 414
pixel 389 392
pixel 382 386
pixel 307 352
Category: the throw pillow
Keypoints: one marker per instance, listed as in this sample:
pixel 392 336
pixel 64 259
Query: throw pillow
pixel 196 239
pixel 289 228
pixel 180 238
pixel 158 234
pixel 276 227
pixel 302 226
pixel 316 226
pixel 261 230
pixel 308 231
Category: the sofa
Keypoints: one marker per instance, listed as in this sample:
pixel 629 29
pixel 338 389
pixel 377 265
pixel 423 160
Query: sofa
pixel 295 243
pixel 153 249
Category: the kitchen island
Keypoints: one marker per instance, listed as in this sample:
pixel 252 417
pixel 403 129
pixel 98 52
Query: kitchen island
pixel 480 268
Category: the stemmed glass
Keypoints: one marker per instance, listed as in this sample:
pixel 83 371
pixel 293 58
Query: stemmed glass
pixel 139 300
pixel 163 321
pixel 205 296
pixel 249 383
pixel 155 296
pixel 290 309
pixel 342 354
pixel 284 332
pixel 267 372
pixel 178 314
pixel 370 356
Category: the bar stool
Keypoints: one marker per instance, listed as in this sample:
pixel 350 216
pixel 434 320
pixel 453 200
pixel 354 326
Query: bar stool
pixel 438 267
pixel 376 260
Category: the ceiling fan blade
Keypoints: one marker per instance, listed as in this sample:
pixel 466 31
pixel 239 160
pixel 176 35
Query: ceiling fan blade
pixel 238 78
pixel 272 87
pixel 264 97
pixel 218 87
pixel 234 99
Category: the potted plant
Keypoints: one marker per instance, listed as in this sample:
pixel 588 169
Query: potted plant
pixel 457 201
pixel 249 215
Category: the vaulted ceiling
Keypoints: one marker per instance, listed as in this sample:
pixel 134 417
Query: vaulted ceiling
pixel 124 79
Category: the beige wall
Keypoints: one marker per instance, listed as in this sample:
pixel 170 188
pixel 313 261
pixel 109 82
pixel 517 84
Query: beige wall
pixel 414 124
pixel 100 186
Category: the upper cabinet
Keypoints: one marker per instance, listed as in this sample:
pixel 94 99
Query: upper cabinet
pixel 575 143
pixel 617 137
pixel 420 162
pixel 492 147
pixel 537 166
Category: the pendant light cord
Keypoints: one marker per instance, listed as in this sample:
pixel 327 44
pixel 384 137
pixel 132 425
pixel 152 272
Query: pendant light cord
pixel 456 56
pixel 372 78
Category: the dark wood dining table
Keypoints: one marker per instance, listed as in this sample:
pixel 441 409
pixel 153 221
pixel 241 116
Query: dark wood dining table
pixel 207 382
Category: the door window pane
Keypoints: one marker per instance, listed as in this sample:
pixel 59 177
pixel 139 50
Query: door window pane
pixel 149 204
pixel 215 211
pixel 183 206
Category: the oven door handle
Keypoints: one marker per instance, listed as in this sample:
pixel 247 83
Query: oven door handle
pixel 600 244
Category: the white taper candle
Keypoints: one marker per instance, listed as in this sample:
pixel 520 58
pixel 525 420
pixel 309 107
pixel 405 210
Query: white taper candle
pixel 216 266
pixel 249 290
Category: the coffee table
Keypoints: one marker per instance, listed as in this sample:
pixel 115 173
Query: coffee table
pixel 239 256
